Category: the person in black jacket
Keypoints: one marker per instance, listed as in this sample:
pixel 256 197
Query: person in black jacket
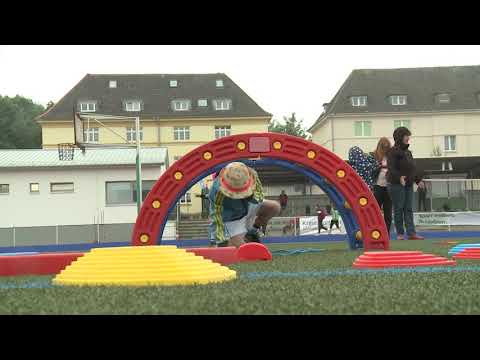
pixel 401 175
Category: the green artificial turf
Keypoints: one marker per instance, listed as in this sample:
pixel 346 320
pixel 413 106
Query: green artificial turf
pixel 345 293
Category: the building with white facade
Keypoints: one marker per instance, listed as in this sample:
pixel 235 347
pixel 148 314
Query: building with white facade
pixel 98 187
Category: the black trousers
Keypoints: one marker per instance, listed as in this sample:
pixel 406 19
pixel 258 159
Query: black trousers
pixel 334 222
pixel 422 198
pixel 385 203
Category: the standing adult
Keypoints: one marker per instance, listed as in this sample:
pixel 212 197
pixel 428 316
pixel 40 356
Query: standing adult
pixel 422 196
pixel 401 175
pixel 380 180
pixel 283 199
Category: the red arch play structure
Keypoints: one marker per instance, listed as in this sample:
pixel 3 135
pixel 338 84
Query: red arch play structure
pixel 359 199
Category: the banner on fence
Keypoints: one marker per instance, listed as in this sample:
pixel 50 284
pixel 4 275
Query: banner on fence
pixel 308 225
pixel 447 218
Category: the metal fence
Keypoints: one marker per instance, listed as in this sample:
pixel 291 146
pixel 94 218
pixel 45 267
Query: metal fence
pixel 450 195
pixel 73 234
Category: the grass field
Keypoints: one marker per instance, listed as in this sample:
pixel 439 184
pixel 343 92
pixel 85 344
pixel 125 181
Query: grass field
pixel 314 283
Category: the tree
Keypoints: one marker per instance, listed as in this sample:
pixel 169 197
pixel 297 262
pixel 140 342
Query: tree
pixel 18 128
pixel 292 126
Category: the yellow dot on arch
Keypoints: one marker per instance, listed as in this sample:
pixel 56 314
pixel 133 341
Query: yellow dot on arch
pixel 311 154
pixel 144 238
pixel 178 175
pixel 156 204
pixel 207 155
pixel 241 145
pixel 341 173
pixel 277 145
pixel 358 235
pixel 363 201
pixel 376 234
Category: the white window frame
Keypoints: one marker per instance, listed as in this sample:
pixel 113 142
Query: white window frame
pixel 181 133
pixel 181 105
pixel 444 96
pixel 112 84
pixel 222 131
pixel 403 122
pixel 186 199
pixel 133 105
pixel 222 104
pixel 89 135
pixel 219 83
pixel 88 106
pixel 34 191
pixel 448 139
pixel 363 122
pixel 359 100
pixel 5 192
pixel 173 83
pixel 202 101
pixel 63 191
pixel 398 100
pixel 131 134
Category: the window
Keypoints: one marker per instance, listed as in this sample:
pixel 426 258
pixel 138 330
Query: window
pixel 147 185
pixel 88 106
pixel 132 134
pixel 61 187
pixel 221 131
pixel 399 123
pixel 173 83
pixel 181 133
pixel 359 100
pixel 133 105
pixel 443 98
pixel 112 84
pixel 4 188
pixel 398 99
pixel 34 188
pixel 90 135
pixel 186 199
pixel 177 157
pixel 202 102
pixel 222 104
pixel 125 192
pixel 450 143
pixel 181 105
pixel 219 83
pixel 363 128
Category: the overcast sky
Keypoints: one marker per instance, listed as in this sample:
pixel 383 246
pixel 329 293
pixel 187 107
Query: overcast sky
pixel 281 79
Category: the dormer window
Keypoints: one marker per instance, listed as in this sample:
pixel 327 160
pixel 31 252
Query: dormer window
pixel 88 106
pixel 112 84
pixel 222 104
pixel 398 99
pixel 133 105
pixel 219 83
pixel 181 105
pixel 173 83
pixel 443 98
pixel 358 100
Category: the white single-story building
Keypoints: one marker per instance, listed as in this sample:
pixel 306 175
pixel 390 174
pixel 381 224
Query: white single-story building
pixel 96 187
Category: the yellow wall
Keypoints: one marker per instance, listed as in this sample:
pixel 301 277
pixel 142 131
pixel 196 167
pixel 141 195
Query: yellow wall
pixel 159 133
pixel 428 131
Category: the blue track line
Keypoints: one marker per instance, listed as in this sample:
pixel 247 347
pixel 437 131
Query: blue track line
pixel 349 272
pixel 27 285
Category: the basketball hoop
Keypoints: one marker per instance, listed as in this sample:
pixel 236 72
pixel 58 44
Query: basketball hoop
pixel 66 151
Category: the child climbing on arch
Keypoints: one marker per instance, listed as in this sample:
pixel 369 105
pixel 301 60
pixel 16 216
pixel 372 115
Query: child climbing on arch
pixel 238 210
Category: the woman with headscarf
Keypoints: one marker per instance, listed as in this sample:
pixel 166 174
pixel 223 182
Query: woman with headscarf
pixel 401 175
